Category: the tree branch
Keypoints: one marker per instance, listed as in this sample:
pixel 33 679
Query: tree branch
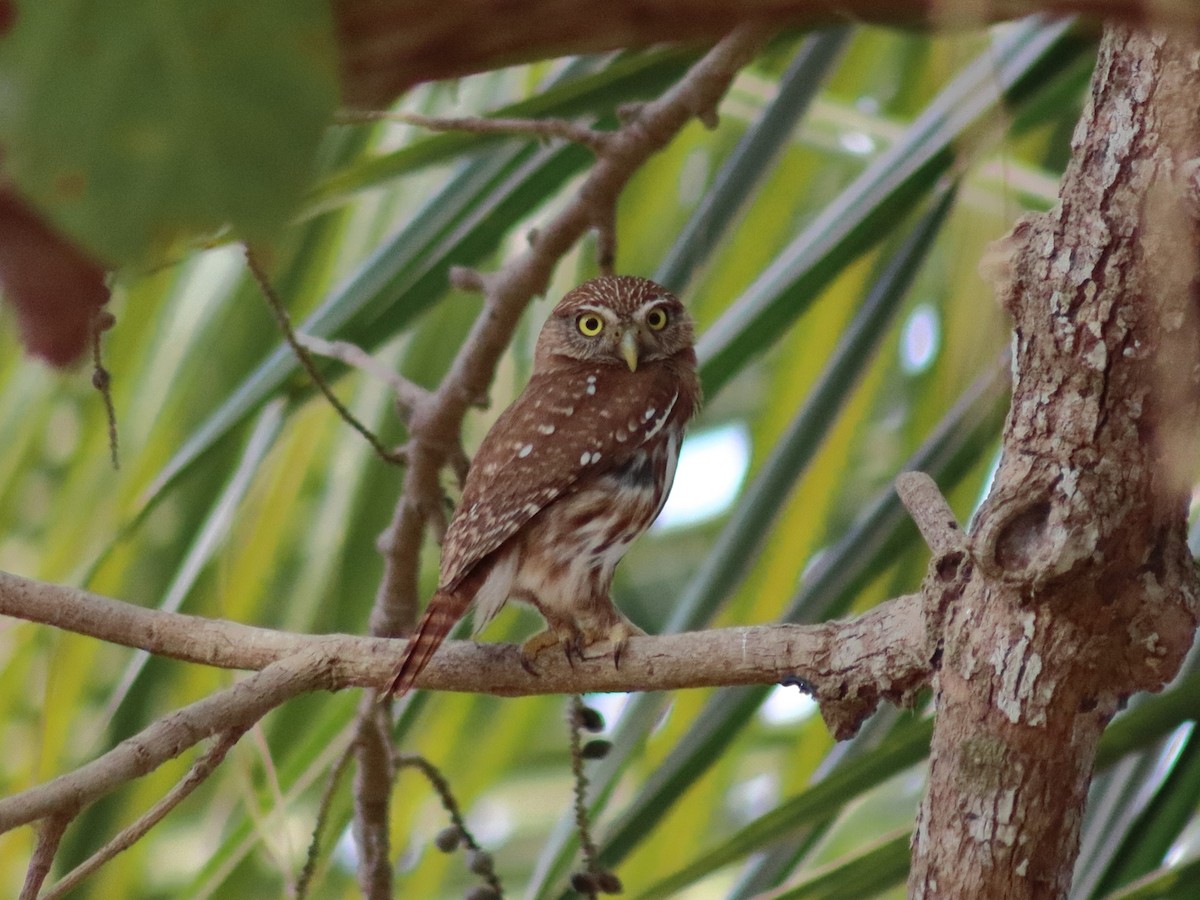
pixel 49 836
pixel 201 769
pixel 850 667
pixel 879 655
pixel 234 708
pixel 390 45
pixel 372 788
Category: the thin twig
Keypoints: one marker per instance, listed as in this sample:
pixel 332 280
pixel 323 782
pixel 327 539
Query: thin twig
pixel 201 769
pixel 408 394
pixel 305 358
pixel 102 381
pixel 238 706
pixel 49 836
pixel 540 128
pixel 314 847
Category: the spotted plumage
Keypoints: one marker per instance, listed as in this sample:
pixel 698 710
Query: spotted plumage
pixel 571 473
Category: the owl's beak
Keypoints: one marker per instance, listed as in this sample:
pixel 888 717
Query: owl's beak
pixel 629 348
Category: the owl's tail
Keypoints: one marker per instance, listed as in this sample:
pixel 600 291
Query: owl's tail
pixel 440 615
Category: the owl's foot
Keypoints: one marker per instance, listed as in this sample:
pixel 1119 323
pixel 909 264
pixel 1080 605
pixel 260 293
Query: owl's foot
pixel 579 644
pixel 540 643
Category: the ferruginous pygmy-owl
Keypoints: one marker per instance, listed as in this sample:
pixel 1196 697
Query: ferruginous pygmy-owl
pixel 571 473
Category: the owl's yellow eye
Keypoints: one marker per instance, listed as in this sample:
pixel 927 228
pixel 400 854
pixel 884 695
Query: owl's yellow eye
pixel 589 324
pixel 657 319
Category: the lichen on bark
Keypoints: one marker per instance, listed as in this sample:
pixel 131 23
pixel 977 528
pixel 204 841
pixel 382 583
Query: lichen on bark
pixel 1083 589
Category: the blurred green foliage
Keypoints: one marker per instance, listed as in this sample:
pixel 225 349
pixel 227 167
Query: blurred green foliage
pixel 825 235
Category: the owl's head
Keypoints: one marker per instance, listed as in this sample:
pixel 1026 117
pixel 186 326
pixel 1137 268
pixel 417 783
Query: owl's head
pixel 617 320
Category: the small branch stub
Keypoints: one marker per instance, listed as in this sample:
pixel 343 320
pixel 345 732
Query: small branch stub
pixel 931 513
pixel 951 566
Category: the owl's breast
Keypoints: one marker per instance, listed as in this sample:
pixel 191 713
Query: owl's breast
pixel 574 544
pixel 637 474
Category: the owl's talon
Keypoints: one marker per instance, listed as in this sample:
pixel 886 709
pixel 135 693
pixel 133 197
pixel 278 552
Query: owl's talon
pixel 619 637
pixel 618 649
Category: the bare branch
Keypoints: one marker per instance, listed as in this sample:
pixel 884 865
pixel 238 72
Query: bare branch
pixel 236 707
pixel 931 513
pixel 467 279
pixel 196 776
pixel 850 665
pixel 49 836
pixel 544 129
pixel 372 785
pixel 408 394
pixel 275 304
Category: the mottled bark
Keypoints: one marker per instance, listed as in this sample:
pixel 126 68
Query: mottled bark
pixel 1082 589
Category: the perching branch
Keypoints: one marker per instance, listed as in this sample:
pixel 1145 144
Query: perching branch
pixel 853 663
pixel 850 667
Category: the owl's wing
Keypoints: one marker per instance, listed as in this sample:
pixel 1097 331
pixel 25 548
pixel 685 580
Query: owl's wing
pixel 562 427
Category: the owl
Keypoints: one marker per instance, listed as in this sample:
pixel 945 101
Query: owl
pixel 570 474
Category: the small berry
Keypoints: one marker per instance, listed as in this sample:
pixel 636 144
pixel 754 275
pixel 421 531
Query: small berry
pixel 479 862
pixel 448 839
pixel 590 719
pixel 584 883
pixel 608 882
pixel 596 749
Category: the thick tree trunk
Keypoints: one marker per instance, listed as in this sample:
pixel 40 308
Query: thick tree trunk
pixel 1081 588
